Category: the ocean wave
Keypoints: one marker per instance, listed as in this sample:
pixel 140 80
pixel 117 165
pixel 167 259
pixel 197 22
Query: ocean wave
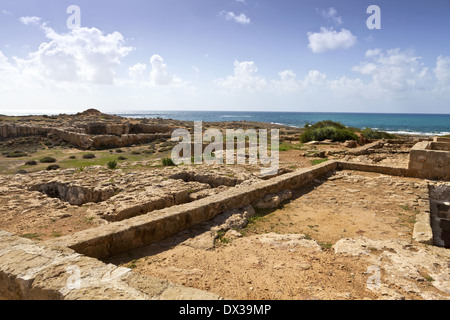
pixel 418 133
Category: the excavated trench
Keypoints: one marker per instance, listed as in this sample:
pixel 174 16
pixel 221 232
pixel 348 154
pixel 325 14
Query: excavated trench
pixel 212 180
pixel 440 214
pixel 75 194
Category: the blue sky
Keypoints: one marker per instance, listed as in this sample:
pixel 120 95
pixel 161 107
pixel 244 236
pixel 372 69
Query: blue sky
pixel 229 55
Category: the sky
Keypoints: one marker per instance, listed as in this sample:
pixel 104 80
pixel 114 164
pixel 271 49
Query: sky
pixel 225 55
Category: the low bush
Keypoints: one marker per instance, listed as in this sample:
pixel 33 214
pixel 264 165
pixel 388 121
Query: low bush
pixel 112 165
pixel 325 124
pixel 31 163
pixel 377 135
pixel 53 167
pixel 48 160
pixel 331 133
pixel 16 154
pixel 89 156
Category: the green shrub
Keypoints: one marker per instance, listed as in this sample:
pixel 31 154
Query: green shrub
pixel 167 162
pixel 31 163
pixel 48 160
pixel 331 133
pixel 89 156
pixel 53 167
pixel 376 135
pixel 112 165
pixel 16 154
pixel 327 123
pixel 121 158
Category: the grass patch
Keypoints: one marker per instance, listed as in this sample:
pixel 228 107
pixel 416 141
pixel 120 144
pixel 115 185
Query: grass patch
pixel 132 264
pixel 326 245
pixel 167 162
pixel 221 238
pixel 316 162
pixel 31 236
pixel 285 146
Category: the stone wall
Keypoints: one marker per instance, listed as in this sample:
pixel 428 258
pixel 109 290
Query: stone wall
pixel 99 135
pixel 36 271
pixel 430 163
pixel 119 237
pixel 13 130
pixel 441 139
pixel 440 214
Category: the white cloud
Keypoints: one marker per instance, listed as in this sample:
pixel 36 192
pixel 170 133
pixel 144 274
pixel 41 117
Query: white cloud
pixel 331 15
pixel 85 55
pixel 7 13
pixel 442 70
pixel 244 78
pixel 394 70
pixel 137 71
pixel 287 75
pixel 30 20
pixel 160 74
pixel 231 16
pixel 330 40
pixel 287 83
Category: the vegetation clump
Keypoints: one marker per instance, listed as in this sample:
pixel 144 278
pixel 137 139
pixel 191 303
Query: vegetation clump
pixel 112 165
pixel 328 130
pixel 16 154
pixel 48 160
pixel 167 162
pixel 376 135
pixel 53 167
pixel 89 156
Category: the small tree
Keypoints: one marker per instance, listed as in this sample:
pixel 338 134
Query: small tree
pixel 112 165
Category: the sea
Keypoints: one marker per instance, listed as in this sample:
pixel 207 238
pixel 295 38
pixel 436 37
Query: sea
pixel 408 124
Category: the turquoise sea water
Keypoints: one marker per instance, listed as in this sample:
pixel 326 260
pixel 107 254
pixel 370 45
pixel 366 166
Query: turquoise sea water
pixel 424 124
